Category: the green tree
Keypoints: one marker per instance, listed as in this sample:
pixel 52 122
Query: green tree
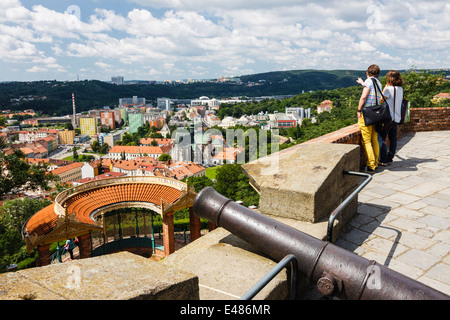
pixel 200 183
pixel 13 214
pixel 420 86
pixel 74 154
pixel 164 157
pixel 95 146
pixel 17 175
pixel 232 183
pixel 105 148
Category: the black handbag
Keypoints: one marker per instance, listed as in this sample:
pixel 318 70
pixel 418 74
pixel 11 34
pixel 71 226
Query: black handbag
pixel 379 113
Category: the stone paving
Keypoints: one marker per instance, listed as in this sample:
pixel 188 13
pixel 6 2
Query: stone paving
pixel 403 219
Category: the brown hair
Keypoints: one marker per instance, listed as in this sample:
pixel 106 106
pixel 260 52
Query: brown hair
pixel 373 70
pixel 394 78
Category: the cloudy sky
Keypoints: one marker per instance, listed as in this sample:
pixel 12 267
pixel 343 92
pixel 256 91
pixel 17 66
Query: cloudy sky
pixel 201 39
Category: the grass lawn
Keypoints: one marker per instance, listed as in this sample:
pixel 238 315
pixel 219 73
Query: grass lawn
pixel 211 172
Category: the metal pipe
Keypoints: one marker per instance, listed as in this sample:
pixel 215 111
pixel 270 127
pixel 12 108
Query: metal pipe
pixel 289 259
pixel 336 271
pixel 346 201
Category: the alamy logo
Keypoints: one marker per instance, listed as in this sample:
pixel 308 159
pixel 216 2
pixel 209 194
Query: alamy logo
pixel 74 277
pixel 201 146
pixel 374 280
pixel 74 18
pixel 374 21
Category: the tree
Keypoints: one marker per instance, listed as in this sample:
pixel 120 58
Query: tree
pixel 420 86
pixel 17 175
pixel 95 146
pixel 164 157
pixel 200 183
pixel 231 182
pixel 105 148
pixel 74 154
pixel 13 214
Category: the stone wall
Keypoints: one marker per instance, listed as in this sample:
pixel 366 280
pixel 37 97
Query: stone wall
pixel 427 119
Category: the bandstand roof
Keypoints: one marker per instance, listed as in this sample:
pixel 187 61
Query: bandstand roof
pixel 74 211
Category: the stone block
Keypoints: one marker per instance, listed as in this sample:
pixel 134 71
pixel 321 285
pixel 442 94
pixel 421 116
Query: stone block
pixel 306 183
pixel 118 276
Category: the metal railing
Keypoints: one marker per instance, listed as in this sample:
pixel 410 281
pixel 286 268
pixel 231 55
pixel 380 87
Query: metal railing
pixel 336 211
pixel 289 259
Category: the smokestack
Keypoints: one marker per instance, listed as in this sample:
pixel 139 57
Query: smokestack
pixel 74 120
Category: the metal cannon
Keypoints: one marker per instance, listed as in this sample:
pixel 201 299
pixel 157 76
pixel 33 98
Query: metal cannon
pixel 336 271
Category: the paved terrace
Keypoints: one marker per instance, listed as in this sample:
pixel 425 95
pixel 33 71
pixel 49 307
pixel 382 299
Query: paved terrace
pixel 403 219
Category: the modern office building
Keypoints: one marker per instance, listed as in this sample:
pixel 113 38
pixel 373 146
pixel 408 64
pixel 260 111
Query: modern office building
pixel 128 102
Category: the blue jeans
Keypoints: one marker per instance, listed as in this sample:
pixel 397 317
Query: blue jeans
pixel 385 154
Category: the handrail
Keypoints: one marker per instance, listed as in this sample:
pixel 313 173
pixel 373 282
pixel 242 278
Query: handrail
pixel 290 258
pixel 346 201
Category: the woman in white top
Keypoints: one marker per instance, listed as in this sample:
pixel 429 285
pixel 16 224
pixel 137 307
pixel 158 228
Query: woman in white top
pixel 394 96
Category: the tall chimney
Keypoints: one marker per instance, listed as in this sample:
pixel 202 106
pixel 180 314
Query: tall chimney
pixel 74 120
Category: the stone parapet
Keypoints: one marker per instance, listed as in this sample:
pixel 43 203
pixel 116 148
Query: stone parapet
pixel 117 276
pixel 306 183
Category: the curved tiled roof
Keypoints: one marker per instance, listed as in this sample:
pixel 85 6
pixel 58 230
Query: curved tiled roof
pixel 83 204
pixel 80 202
pixel 43 221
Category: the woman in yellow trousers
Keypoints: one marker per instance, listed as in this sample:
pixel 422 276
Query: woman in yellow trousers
pixel 368 133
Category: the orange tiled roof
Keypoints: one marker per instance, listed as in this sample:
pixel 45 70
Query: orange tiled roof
pixel 84 203
pixel 43 221
pixel 136 149
pixel 67 168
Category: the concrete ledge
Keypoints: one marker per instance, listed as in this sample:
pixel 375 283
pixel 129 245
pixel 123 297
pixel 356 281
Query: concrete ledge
pixel 306 183
pixel 227 267
pixel 118 276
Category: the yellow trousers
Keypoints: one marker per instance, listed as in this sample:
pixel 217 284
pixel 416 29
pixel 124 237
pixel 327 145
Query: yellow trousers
pixel 370 142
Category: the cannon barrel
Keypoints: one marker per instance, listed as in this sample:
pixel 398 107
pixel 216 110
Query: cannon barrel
pixel 336 271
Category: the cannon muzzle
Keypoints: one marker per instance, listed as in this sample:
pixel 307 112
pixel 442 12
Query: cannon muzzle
pixel 336 271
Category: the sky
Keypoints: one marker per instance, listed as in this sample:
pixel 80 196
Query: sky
pixel 206 39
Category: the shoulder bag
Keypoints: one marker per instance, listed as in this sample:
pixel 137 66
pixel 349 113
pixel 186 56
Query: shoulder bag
pixel 378 113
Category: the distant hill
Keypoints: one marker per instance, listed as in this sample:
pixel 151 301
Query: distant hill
pixel 55 97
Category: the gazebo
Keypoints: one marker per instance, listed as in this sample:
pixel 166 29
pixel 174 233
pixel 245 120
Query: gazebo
pixel 83 210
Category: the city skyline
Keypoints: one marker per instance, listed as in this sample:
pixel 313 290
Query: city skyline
pixel 174 40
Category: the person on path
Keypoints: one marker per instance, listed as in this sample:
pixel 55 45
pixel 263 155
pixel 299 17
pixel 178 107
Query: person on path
pixel 369 97
pixel 393 92
pixel 70 245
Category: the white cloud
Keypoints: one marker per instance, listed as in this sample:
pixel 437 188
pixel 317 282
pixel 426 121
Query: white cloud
pixel 214 37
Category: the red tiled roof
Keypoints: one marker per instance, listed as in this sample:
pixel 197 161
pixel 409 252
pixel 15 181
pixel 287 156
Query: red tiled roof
pixel 84 203
pixel 67 168
pixel 137 149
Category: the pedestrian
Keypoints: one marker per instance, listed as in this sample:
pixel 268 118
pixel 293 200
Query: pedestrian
pixel 368 133
pixel 69 247
pixel 393 92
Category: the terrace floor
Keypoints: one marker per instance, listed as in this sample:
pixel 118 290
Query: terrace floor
pixel 403 219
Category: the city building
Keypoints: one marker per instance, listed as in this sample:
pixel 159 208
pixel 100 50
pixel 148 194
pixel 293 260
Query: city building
pixel 123 114
pixel 326 105
pixel 88 126
pixel 117 80
pixel 66 136
pixel 135 120
pixel 107 118
pixel 205 101
pixel 130 102
pixel 68 173
pixel 282 120
pixel 133 152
